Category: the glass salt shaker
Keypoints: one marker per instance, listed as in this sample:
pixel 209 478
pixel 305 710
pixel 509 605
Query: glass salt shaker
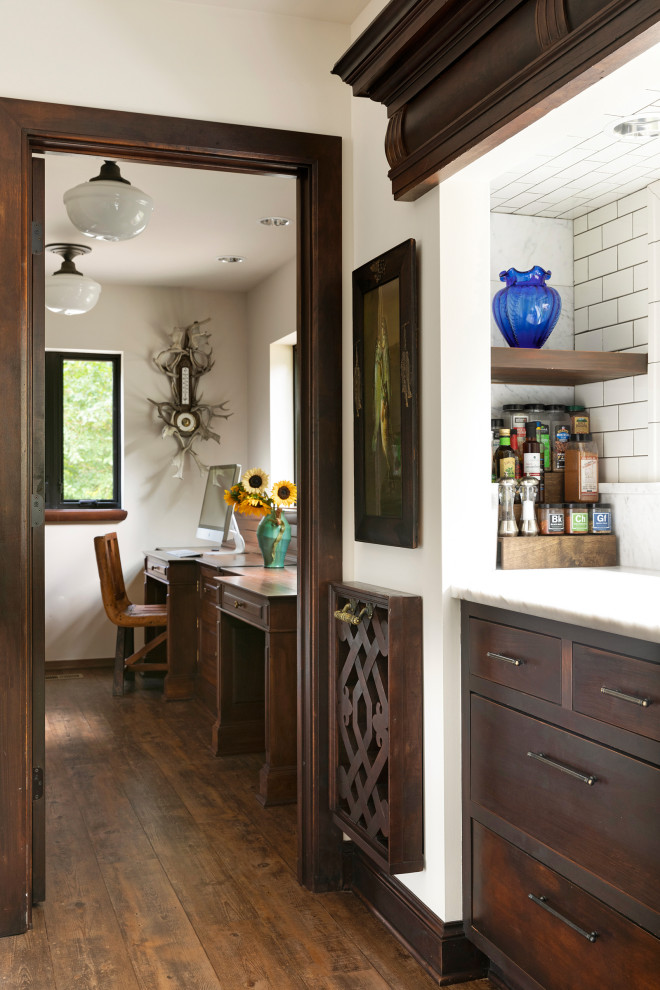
pixel 529 488
pixel 507 488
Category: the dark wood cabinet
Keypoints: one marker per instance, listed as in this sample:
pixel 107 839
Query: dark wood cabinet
pixel 561 802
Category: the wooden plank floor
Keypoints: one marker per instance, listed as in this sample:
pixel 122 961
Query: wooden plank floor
pixel 165 872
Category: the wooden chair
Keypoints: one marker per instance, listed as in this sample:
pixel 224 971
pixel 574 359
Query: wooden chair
pixel 125 615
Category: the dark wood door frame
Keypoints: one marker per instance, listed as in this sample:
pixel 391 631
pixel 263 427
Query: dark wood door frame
pixel 315 160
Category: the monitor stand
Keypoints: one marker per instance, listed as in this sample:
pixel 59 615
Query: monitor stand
pixel 235 535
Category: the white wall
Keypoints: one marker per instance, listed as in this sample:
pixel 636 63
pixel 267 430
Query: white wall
pixel 271 315
pixel 161 508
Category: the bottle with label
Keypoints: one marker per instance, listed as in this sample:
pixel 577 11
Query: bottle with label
pixel 505 457
pixel 495 427
pixel 579 419
pixel 559 443
pixel 557 417
pixel 543 437
pixel 532 457
pixel 581 469
pixel 515 418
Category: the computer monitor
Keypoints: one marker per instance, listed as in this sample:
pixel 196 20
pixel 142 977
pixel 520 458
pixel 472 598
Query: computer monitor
pixel 216 520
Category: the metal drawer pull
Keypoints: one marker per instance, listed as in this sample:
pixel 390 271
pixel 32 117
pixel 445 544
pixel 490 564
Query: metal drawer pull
pixel 584 777
pixel 500 656
pixel 642 702
pixel 543 902
pixel 238 604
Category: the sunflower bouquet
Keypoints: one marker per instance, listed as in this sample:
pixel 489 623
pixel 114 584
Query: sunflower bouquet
pixel 251 497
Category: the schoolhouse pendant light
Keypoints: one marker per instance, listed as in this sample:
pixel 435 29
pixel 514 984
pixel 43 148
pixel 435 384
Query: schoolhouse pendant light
pixel 68 291
pixel 108 207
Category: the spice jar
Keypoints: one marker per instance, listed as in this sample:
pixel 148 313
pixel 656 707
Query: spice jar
pixel 581 469
pixel 576 518
pixel 551 518
pixel 579 419
pixel 600 518
pixel 529 493
pixel 507 525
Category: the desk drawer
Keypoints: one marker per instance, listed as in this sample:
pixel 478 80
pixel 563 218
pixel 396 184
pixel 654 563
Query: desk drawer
pixel 246 606
pixel 607 826
pixel 527 661
pixel 635 705
pixel 208 587
pixel 543 945
pixel 156 568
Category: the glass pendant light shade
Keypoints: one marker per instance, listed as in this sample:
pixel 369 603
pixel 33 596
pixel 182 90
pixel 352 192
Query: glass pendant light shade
pixel 108 207
pixel 68 291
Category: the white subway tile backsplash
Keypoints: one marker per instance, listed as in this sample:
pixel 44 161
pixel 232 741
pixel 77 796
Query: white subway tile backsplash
pixel 634 416
pixel 592 340
pixel 618 390
pixel 588 243
pixel 630 203
pixel 603 262
pixel 581 224
pixel 641 276
pixel 632 252
pixel 603 314
pixel 598 440
pixel 608 469
pixel 641 331
pixel 617 231
pixel 590 395
pixel 641 442
pixel 619 444
pixel 634 306
pixel 640 222
pixel 590 292
pixel 641 388
pixel 581 270
pixel 619 337
pixel 604 419
pixel 633 469
pixel 618 283
pixel 603 215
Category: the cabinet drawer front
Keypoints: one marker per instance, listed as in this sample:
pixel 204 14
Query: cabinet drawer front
pixel 546 946
pixel 529 662
pixel 245 607
pixel 608 824
pixel 631 695
pixel 210 590
pixel 156 568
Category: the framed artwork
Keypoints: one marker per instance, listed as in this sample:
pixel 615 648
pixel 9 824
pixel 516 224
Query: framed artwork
pixel 385 399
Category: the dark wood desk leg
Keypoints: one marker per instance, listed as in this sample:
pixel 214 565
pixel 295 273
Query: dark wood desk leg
pixel 239 726
pixel 182 604
pixel 277 777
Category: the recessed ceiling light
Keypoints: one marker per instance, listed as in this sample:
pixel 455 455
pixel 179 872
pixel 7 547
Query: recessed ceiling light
pixel 230 259
pixel 274 221
pixel 637 129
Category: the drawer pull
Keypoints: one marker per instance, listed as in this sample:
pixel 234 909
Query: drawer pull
pixel 500 656
pixel 642 702
pixel 238 604
pixel 543 902
pixel 584 777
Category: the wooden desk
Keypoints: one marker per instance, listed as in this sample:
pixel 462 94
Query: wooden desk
pixel 232 642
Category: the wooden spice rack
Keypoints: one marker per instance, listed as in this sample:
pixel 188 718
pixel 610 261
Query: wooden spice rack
pixel 588 550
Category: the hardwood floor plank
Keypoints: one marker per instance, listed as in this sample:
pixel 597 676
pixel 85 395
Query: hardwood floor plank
pixel 24 965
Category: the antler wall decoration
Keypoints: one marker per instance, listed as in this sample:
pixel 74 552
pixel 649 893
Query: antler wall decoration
pixel 186 418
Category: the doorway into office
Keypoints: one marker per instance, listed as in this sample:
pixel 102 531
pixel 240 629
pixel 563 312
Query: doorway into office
pixel 314 161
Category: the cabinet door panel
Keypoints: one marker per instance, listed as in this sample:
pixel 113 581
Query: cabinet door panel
pixel 608 826
pixel 526 661
pixel 544 944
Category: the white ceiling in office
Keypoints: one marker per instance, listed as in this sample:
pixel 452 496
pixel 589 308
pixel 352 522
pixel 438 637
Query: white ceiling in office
pixel 198 216
pixel 339 11
pixel 577 164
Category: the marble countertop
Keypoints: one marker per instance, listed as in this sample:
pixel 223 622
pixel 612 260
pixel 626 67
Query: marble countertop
pixel 621 600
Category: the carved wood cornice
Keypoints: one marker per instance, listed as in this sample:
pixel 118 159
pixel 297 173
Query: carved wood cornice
pixel 457 76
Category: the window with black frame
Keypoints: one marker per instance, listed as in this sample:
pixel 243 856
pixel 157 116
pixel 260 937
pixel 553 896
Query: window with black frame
pixel 83 430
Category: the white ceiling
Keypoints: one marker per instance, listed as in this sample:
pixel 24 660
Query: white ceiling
pixel 198 216
pixel 577 164
pixel 339 11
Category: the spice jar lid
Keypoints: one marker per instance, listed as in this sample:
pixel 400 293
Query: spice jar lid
pixel 534 405
pixel 580 437
pixel 599 506
pixel 494 423
pixel 575 409
pixel 558 407
pixel 556 505
pixel 575 505
pixel 512 406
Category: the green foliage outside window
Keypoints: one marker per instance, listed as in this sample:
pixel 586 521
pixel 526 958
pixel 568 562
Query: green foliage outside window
pixel 87 430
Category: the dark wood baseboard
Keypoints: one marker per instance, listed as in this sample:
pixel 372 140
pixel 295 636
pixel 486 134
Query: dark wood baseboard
pixel 440 947
pixel 84 664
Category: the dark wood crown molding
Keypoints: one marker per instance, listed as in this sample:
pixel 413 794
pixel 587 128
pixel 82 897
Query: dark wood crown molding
pixel 459 76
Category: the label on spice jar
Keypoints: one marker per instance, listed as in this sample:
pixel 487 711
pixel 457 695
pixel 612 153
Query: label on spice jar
pixel 555 522
pixel 562 436
pixel 588 475
pixel 577 521
pixel 507 467
pixel 601 520
pixel 580 423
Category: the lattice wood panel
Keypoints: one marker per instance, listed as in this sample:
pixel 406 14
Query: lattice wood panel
pixel 376 733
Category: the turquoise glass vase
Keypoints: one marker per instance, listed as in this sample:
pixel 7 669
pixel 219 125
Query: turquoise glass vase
pixel 273 536
pixel 527 310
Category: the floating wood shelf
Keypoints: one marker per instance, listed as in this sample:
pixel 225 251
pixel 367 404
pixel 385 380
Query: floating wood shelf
pixel 557 551
pixel 528 366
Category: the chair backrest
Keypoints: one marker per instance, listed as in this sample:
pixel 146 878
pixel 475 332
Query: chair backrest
pixel 113 591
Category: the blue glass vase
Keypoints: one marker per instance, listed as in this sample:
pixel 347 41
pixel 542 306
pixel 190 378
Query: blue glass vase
pixel 527 310
pixel 273 537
